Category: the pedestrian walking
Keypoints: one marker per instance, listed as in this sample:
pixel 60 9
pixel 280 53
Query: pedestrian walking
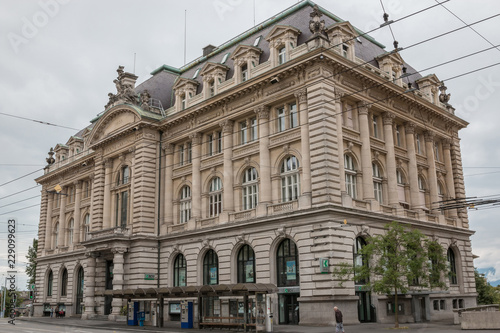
pixel 339 319
pixel 51 312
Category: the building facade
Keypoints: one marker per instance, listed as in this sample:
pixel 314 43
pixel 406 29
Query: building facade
pixel 240 167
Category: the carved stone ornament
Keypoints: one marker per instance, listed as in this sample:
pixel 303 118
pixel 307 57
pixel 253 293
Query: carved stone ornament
pixel 125 89
pixel 443 96
pixel 50 160
pixel 301 95
pixel 317 26
pixel 145 100
pixel 262 112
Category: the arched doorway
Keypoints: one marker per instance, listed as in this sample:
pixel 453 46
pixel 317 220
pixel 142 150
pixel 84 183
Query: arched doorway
pixel 79 291
pixel 287 259
pixel 366 311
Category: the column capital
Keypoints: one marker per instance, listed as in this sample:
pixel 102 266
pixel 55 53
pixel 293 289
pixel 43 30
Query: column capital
pixel 338 94
pixel 195 138
pixel 78 184
pixel 429 136
pixel 388 118
pixel 92 254
pixel 363 108
pixel 119 250
pixel 108 163
pixel 447 143
pixel 410 128
pixel 262 111
pixel 301 95
pixel 227 126
pixel 169 148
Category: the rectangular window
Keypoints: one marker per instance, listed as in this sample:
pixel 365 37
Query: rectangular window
pixel 253 129
pixel 281 119
pixel 436 151
pixel 375 126
pixel 418 145
pixel 377 191
pixel 124 209
pixel 183 102
pixel 189 152
pixel 244 73
pixel 219 141
pixel 181 155
pixel 398 136
pixel 294 121
pixel 243 132
pixel 210 145
pixel 345 50
pixel 86 189
pixel 281 55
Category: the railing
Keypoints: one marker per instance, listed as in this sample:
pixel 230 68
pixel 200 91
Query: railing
pixel 68 160
pixel 116 231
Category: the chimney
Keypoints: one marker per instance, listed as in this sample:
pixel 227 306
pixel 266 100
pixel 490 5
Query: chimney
pixel 208 49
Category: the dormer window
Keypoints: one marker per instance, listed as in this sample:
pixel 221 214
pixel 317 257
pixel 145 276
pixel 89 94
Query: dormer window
pixel 183 101
pixel 345 50
pixel 281 55
pixel 244 73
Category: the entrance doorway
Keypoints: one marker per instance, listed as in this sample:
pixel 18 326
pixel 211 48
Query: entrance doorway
pixel 288 309
pixel 365 309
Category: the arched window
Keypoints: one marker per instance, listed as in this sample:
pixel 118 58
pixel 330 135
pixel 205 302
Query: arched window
pixel 290 179
pixel 79 291
pixel 56 234
pixel 287 259
pixel 124 176
pixel 71 227
pixel 86 220
pixel 185 204
pixel 452 266
pixel 246 265
pixel 377 183
pixel 50 281
pixel 64 282
pixel 215 198
pixel 250 189
pixel 210 268
pixel 359 259
pixel 350 176
pixel 180 271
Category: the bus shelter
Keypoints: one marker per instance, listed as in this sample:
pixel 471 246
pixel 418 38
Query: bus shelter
pixel 242 305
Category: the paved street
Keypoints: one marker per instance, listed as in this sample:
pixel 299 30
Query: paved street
pixel 41 325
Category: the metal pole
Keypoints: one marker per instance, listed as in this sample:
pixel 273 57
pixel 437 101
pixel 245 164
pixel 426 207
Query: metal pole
pixel 4 297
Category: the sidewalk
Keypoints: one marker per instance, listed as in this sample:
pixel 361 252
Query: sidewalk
pixel 175 326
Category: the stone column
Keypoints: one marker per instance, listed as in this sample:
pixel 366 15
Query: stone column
pixel 433 185
pixel 62 217
pixel 265 197
pixel 306 198
pixel 412 167
pixel 77 214
pixel 167 205
pixel 118 271
pixel 48 223
pixel 392 182
pixel 450 182
pixel 228 201
pixel 89 284
pixel 196 167
pixel 366 156
pixel 106 208
pixel 91 210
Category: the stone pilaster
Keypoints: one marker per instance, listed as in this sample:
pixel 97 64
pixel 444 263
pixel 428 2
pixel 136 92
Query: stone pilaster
pixel 62 217
pixel 412 167
pixel 340 138
pixel 48 222
pixel 89 283
pixel 77 214
pixel 458 174
pixel 366 155
pixel 265 160
pixel 392 183
pixel 450 183
pixel 433 185
pixel 118 271
pixel 108 179
pixel 196 176
pixel 167 205
pixel 305 199
pixel 228 195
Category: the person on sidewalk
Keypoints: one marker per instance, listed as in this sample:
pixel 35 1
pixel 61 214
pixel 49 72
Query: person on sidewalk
pixel 338 318
pixel 51 312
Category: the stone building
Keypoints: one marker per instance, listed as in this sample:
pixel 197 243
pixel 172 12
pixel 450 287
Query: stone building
pixel 240 167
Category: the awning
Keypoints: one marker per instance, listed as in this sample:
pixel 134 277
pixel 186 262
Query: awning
pixel 239 289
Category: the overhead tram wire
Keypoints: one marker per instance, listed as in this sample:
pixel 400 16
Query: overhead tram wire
pixel 38 121
pixel 477 32
pixel 371 103
pixel 21 177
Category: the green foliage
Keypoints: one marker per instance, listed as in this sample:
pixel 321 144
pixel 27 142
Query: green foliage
pixel 31 265
pixel 8 299
pixel 396 261
pixel 486 294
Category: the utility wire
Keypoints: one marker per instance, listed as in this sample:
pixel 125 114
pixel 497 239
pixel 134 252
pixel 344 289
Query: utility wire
pixel 38 121
pixel 26 175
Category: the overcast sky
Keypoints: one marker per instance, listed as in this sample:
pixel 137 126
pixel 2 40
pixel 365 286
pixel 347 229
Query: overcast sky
pixel 58 60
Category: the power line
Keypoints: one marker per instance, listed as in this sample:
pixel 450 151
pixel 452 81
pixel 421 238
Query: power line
pixel 38 121
pixel 26 175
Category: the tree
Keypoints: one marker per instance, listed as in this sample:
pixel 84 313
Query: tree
pixel 396 261
pixel 486 294
pixel 31 266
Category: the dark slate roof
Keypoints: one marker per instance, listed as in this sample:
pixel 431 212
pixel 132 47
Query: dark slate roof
pixel 298 16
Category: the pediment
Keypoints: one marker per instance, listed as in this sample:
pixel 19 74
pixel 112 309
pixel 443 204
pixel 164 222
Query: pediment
pixel 392 57
pixel 345 27
pixel 74 139
pixel 241 50
pixel 114 121
pixel 181 82
pixel 212 66
pixel 432 78
pixel 60 147
pixel 279 30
